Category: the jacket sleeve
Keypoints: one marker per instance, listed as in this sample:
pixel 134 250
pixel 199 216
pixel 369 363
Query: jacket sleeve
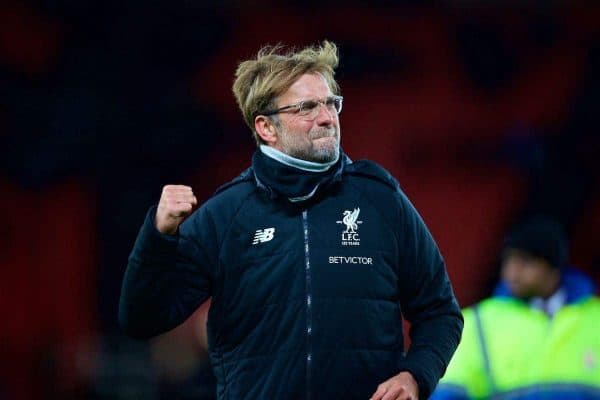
pixel 167 277
pixel 427 301
pixel 466 376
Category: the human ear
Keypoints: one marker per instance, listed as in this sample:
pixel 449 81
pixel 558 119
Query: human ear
pixel 265 129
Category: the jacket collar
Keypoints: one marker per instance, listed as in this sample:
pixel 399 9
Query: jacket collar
pixel 575 284
pixel 293 162
pixel 292 179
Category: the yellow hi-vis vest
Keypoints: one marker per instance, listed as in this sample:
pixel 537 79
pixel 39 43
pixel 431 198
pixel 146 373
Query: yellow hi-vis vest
pixel 512 351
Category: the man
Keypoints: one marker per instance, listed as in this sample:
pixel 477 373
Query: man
pixel 311 260
pixel 538 337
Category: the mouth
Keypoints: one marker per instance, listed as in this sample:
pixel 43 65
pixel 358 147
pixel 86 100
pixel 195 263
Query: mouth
pixel 324 136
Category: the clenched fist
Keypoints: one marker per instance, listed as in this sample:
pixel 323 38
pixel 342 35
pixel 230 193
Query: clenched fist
pixel 400 387
pixel 176 203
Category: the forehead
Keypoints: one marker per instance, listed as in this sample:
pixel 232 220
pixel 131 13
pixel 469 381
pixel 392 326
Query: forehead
pixel 308 86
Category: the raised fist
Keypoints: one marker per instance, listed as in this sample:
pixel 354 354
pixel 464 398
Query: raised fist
pixel 176 203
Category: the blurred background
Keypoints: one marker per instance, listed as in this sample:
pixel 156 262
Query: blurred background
pixel 485 111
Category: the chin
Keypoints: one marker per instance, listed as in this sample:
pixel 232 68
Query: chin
pixel 520 292
pixel 328 144
pixel 326 154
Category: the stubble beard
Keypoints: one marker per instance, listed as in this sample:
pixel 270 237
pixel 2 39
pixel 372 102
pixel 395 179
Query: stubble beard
pixel 322 151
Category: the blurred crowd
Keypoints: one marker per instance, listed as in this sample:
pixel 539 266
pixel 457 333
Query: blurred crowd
pixel 487 114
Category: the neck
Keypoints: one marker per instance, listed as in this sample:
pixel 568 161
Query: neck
pixel 290 161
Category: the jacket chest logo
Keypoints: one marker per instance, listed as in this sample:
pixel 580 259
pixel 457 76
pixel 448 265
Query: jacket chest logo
pixel 263 235
pixel 350 235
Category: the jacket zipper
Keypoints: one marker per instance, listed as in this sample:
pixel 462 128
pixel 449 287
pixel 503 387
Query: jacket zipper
pixel 308 304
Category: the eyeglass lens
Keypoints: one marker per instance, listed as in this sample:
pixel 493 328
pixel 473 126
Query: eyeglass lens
pixel 311 107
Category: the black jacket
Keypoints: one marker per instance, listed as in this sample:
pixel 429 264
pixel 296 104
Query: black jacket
pixel 307 296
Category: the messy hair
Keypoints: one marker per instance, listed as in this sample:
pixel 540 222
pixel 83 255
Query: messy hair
pixel 259 81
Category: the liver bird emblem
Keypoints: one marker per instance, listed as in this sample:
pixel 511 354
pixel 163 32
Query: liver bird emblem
pixel 350 220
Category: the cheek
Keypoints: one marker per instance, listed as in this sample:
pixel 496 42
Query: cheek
pixel 510 272
pixel 504 272
pixel 298 129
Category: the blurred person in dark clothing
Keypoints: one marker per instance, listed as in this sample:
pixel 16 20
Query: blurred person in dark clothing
pixel 538 336
pixel 311 260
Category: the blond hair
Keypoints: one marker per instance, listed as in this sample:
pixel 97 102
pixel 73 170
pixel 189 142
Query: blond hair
pixel 259 81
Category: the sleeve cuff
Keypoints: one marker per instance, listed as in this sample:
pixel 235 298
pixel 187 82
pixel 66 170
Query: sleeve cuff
pixel 151 242
pixel 423 381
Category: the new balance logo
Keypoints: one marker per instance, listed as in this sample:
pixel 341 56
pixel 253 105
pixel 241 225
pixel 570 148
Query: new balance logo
pixel 263 235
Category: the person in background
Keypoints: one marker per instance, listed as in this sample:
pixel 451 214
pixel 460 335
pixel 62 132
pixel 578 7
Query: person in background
pixel 311 260
pixel 539 335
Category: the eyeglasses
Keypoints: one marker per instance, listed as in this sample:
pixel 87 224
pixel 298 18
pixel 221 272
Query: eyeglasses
pixel 310 108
